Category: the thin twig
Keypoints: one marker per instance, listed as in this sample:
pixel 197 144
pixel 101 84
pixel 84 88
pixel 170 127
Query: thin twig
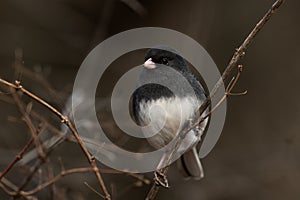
pixel 51 181
pixel 27 180
pixel 5 184
pixel 94 190
pixel 65 120
pixel 29 123
pixel 240 52
pixel 229 88
pixel 17 158
pixel 19 67
pixel 55 179
pixel 40 118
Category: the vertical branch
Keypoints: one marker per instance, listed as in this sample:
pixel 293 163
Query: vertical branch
pixel 29 123
pixel 239 53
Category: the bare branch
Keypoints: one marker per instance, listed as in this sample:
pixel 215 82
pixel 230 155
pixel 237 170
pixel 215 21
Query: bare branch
pixel 29 123
pixel 65 120
pixel 17 158
pixel 240 52
pixel 55 179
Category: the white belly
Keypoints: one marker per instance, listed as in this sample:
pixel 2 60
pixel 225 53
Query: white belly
pixel 168 117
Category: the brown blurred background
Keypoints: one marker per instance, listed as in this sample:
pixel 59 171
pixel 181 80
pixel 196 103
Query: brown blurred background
pixel 258 154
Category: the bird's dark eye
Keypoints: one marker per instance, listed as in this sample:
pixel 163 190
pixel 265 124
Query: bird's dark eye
pixel 165 61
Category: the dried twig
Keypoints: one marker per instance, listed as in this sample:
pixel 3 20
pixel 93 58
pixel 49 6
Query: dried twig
pixel 93 189
pixel 10 188
pixel 239 53
pixel 51 181
pixel 38 117
pixel 55 179
pixel 17 158
pixel 29 123
pixel 36 167
pixel 39 78
pixel 65 120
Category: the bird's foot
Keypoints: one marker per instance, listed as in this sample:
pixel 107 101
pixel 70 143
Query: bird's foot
pixel 160 179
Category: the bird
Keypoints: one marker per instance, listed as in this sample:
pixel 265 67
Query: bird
pixel 184 103
pixel 175 107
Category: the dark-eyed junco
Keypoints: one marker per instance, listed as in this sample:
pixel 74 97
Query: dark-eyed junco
pixel 177 111
pixel 182 106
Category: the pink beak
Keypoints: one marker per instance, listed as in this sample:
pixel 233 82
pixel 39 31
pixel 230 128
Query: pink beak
pixel 149 64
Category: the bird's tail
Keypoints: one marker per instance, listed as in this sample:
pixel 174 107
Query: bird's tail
pixel 190 166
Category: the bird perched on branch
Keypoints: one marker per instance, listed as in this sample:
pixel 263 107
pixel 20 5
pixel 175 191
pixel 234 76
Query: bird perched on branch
pixel 177 109
pixel 177 104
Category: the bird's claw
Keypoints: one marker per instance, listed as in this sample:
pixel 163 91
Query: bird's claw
pixel 160 179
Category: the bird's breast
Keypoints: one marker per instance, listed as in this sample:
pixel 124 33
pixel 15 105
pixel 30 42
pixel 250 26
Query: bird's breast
pixel 166 117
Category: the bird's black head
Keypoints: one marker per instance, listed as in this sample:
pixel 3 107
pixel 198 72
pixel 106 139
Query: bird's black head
pixel 165 56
